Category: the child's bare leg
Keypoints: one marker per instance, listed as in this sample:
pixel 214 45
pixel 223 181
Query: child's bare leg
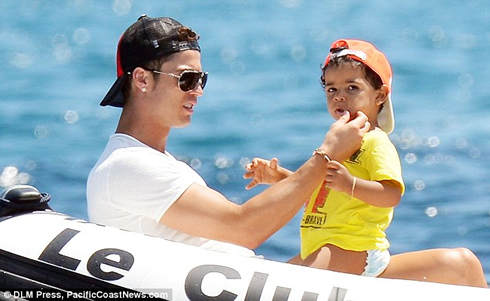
pixel 450 266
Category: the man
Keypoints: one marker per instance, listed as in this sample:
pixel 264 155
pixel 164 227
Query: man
pixel 137 185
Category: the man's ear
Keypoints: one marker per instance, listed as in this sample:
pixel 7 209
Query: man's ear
pixel 140 78
pixel 382 95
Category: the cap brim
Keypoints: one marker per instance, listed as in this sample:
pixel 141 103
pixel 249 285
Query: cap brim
pixel 115 96
pixel 386 118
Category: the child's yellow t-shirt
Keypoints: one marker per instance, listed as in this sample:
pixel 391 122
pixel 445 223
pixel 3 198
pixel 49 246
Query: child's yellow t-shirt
pixel 333 217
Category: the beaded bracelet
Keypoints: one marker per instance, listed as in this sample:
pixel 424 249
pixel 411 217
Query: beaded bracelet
pixel 322 153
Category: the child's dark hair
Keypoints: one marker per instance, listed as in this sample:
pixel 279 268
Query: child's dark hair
pixel 335 61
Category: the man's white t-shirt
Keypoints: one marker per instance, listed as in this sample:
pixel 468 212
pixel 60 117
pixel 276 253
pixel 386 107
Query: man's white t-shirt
pixel 133 185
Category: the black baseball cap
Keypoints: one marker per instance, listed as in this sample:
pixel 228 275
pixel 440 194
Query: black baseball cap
pixel 146 40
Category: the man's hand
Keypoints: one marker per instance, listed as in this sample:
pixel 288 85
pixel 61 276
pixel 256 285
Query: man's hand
pixel 345 136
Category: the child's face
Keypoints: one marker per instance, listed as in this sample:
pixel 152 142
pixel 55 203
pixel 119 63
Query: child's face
pixel 347 89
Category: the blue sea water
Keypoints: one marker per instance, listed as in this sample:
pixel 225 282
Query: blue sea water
pixel 263 98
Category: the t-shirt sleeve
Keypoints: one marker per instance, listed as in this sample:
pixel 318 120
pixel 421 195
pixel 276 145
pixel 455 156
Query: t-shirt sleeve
pixel 146 182
pixel 384 163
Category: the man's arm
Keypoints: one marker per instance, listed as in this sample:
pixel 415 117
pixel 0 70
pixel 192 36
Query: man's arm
pixel 204 212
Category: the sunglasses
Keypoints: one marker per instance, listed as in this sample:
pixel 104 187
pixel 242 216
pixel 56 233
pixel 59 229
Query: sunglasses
pixel 188 79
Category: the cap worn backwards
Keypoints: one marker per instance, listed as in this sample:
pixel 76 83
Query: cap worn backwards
pixel 366 53
pixel 146 40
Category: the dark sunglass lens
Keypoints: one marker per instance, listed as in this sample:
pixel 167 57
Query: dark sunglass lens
pixel 188 81
pixel 204 79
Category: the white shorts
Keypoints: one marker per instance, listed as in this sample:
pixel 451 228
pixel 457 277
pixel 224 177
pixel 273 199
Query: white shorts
pixel 376 262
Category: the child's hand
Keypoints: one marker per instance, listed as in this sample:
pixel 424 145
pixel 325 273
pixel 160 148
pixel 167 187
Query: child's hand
pixel 338 177
pixel 263 171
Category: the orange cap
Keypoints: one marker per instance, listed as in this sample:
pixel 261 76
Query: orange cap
pixel 366 53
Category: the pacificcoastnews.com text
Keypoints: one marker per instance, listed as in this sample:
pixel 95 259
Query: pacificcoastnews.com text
pixel 46 294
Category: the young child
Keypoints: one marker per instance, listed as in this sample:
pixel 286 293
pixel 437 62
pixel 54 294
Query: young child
pixel 344 223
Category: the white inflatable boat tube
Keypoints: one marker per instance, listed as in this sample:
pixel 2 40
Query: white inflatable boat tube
pixel 39 247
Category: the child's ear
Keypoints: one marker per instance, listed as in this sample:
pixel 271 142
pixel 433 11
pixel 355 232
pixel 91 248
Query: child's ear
pixel 382 95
